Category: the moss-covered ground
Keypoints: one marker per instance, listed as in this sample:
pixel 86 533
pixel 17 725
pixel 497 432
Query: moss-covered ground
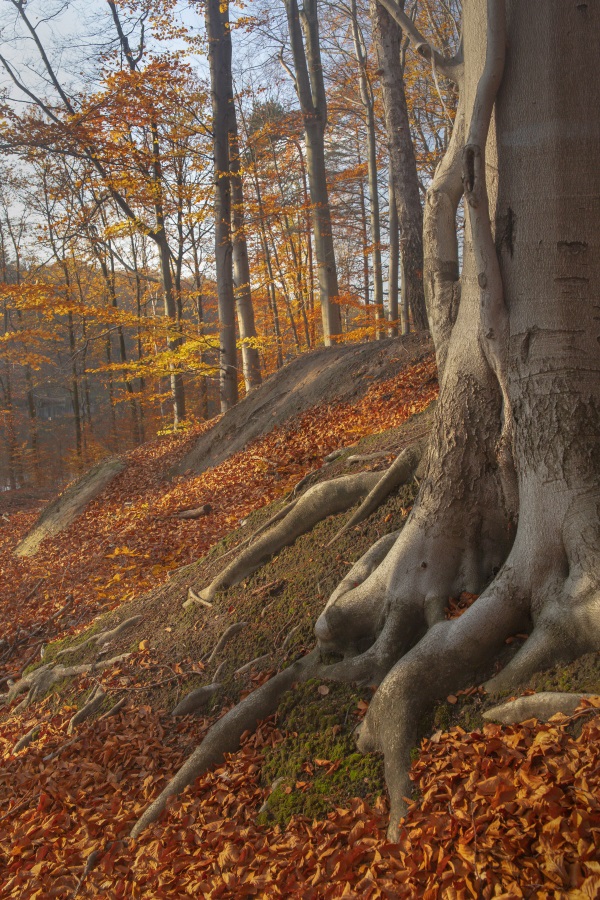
pixel 317 768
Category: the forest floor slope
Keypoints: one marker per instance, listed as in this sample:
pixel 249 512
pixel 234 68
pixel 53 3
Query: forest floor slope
pixel 296 812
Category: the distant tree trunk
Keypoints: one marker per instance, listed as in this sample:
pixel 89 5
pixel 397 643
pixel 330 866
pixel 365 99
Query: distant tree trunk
pixel 75 388
pixel 269 264
pixel 241 265
pixel 363 229
pixel 310 279
pixel 11 431
pixel 366 95
pixel 284 291
pixel 311 93
pixel 393 269
pixel 219 56
pixel 138 309
pixel 232 288
pixel 387 36
pixel 174 339
pixel 292 253
pixel 203 387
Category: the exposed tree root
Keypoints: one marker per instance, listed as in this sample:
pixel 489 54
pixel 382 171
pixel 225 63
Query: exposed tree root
pixel 39 682
pixel 224 736
pixel 368 457
pixel 227 636
pixel 400 472
pixel 90 865
pixel 93 704
pixel 26 739
pixel 114 709
pixel 197 700
pixel 540 706
pixel 450 656
pixel 322 500
pixel 103 637
pixel 247 667
pixel 294 631
pixel 219 671
pixel 194 598
pixel 198 513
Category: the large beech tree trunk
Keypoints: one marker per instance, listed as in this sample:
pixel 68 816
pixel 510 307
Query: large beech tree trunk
pixel 311 93
pixel 509 507
pixel 509 503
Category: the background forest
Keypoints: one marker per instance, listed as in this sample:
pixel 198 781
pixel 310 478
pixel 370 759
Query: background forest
pixel 157 182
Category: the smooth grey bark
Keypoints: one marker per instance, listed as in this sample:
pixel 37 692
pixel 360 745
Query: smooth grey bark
pixel 394 270
pixel 241 264
pixel 198 283
pixel 523 349
pixel 294 258
pixel 308 76
pixel 519 346
pixel 309 298
pixel 363 228
pixel 221 91
pixel 387 38
pixel 265 248
pixel 368 102
pixel 298 517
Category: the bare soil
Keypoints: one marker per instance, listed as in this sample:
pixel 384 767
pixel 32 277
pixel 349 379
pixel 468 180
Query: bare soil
pixel 338 374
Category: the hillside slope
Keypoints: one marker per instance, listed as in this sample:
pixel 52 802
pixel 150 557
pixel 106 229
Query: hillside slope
pixel 296 812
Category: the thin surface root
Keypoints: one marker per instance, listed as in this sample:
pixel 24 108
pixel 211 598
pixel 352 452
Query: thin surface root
pixel 400 472
pixel 197 700
pixel 103 637
pixel 224 736
pixel 540 706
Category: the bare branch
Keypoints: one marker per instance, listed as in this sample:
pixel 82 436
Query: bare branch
pixel 20 7
pixel 448 67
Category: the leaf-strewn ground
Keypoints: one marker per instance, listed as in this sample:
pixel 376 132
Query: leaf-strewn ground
pixel 497 812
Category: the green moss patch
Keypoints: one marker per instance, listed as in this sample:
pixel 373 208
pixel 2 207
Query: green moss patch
pixel 580 676
pixel 317 766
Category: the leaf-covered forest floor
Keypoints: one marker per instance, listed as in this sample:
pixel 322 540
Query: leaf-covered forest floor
pixel 497 811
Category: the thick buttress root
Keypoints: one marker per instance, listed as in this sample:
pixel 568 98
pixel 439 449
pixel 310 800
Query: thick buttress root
pixel 325 499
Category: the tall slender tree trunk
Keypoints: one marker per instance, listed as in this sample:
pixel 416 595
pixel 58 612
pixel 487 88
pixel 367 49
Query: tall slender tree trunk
pixel 219 55
pixel 292 253
pixel 284 291
pixel 241 264
pixel 269 265
pixel 75 399
pixel 364 236
pixel 174 339
pixel 138 309
pixel 394 268
pixel 159 236
pixel 366 95
pixel 11 430
pixel 387 35
pixel 203 385
pixel 311 93
pixel 31 407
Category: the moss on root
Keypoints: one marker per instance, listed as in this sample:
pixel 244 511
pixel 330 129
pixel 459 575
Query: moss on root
pixel 317 767
pixel 580 676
